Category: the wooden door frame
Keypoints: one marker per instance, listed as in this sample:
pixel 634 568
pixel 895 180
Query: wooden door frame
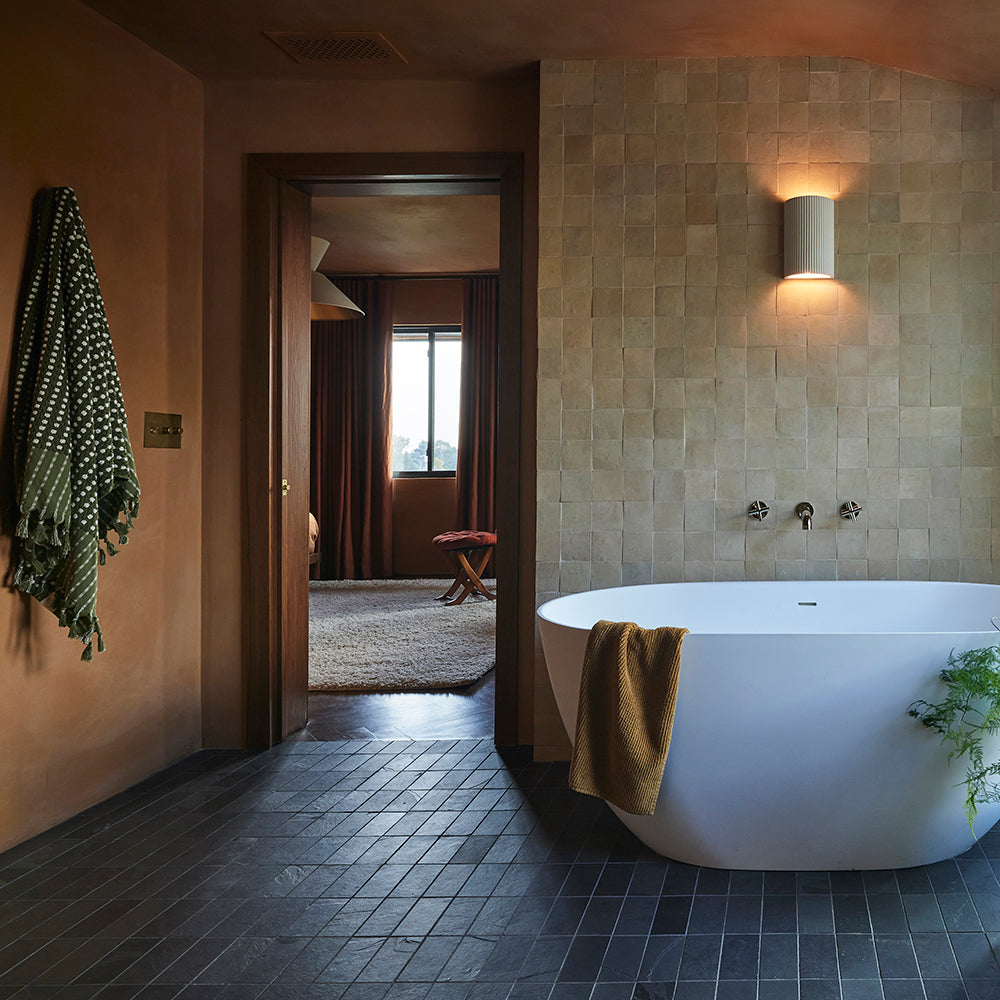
pixel 265 175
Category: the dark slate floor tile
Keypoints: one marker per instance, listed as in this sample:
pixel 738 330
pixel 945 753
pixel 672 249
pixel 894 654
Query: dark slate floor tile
pixel 857 956
pixel 622 959
pixel 740 957
pixel 737 990
pixel 662 958
pixel 708 915
pixel 578 961
pixel 887 914
pixel 700 960
pixel 861 989
pixel 310 962
pixel 506 959
pixel 945 876
pixel 743 914
pixel 959 911
pixel 778 956
pixel 614 880
pixel 600 916
pixel 978 875
pixel 636 916
pixel 935 956
pixel 945 989
pixel 896 959
pixel 815 914
pixel 818 956
pixel 429 959
pixel 349 960
pixel 653 991
pixel 922 912
pixel 819 989
pixel 987 904
pixel 389 961
pixel 847 882
pixel 975 957
pixel 435 870
pixel 778 989
pixel 779 914
pixel 713 882
pixel 671 915
pixel 688 990
pixel 571 991
pixel 850 914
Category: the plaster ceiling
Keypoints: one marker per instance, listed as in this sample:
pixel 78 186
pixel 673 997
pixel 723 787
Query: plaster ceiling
pixel 418 234
pixel 457 39
pixel 227 40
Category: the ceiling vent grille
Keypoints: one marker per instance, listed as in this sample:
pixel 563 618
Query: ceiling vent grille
pixel 337 47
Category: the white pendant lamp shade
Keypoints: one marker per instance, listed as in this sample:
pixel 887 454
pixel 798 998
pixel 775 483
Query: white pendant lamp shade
pixel 327 300
pixel 809 237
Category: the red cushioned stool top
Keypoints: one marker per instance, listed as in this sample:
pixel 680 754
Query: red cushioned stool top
pixel 464 540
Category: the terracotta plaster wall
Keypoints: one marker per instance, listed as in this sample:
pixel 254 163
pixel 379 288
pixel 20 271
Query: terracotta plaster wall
pixel 87 106
pixel 427 300
pixel 421 509
pixel 680 377
pixel 346 116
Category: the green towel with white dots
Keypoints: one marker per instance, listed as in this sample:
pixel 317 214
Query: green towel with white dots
pixel 74 474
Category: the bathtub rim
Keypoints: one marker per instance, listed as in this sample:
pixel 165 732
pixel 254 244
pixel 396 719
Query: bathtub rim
pixel 543 613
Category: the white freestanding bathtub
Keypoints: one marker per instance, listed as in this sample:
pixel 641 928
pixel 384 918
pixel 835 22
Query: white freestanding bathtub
pixel 792 748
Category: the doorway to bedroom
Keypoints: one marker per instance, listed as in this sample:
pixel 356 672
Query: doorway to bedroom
pixel 276 421
pixel 411 384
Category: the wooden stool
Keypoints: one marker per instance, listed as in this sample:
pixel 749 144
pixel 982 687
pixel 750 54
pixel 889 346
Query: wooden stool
pixel 460 545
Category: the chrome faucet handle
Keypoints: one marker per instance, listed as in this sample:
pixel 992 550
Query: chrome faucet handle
pixel 849 511
pixel 758 510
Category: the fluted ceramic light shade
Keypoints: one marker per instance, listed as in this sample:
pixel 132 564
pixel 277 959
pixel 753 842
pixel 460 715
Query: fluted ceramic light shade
pixel 809 237
pixel 327 300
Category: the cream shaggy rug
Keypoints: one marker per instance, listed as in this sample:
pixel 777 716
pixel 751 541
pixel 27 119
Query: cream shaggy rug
pixel 391 635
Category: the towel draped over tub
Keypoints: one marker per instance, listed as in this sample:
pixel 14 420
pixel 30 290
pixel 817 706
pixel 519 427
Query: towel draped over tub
pixel 628 691
pixel 74 472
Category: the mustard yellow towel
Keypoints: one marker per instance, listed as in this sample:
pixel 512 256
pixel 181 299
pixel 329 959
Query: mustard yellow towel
pixel 628 692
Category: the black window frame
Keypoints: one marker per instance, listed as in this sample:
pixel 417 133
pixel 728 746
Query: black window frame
pixel 428 331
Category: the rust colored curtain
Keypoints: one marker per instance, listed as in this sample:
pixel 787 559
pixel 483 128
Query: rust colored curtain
pixel 351 455
pixel 477 429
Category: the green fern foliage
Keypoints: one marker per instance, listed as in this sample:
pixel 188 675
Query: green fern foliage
pixel 969 713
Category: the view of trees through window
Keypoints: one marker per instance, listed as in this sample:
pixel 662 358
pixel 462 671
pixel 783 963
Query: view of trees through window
pixel 426 375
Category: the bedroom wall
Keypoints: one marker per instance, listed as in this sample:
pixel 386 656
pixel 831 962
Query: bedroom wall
pixel 427 300
pixel 86 105
pixel 421 509
pixel 680 377
pixel 393 116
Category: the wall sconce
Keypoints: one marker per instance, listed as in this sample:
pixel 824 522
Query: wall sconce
pixel 809 237
pixel 327 300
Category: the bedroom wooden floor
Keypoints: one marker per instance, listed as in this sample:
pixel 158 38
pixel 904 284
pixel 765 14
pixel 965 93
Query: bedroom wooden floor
pixel 459 713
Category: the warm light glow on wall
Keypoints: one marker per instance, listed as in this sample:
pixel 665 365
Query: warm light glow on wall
pixel 809 237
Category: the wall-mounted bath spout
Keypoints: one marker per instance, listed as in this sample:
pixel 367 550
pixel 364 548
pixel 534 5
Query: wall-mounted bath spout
pixel 804 511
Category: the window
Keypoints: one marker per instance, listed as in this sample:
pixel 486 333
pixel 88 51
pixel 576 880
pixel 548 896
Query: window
pixel 426 375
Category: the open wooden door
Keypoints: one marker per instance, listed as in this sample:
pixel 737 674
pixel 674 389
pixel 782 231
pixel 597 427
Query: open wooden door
pixel 294 389
pixel 276 449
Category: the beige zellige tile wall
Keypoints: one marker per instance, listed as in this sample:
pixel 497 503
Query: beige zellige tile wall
pixel 681 378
